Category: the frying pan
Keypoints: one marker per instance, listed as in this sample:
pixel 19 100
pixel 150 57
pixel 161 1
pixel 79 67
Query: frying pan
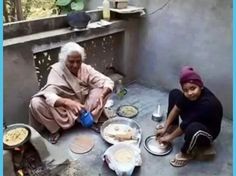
pixel 11 127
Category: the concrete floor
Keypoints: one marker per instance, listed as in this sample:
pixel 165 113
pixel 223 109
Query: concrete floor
pixel 146 99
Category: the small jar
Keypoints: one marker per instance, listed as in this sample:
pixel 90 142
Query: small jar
pixel 157 115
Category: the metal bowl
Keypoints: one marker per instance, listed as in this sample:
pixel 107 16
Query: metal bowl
pixel 155 148
pixel 124 121
pixel 78 20
pixel 123 111
pixel 156 118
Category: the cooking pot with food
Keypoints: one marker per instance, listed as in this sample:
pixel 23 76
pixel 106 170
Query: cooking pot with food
pixel 15 136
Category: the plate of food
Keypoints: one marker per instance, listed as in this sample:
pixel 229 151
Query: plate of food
pixel 120 129
pixel 15 136
pixel 123 158
pixel 128 111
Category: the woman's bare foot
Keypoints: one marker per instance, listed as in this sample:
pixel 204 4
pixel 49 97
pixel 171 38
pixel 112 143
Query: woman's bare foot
pixel 54 137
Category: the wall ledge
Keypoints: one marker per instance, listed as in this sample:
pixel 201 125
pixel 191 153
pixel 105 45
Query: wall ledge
pixel 54 35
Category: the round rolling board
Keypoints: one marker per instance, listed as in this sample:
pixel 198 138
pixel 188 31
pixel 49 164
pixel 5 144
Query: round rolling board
pixel 81 144
pixel 153 146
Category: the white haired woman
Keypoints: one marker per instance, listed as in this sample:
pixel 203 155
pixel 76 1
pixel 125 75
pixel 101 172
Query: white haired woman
pixel 71 85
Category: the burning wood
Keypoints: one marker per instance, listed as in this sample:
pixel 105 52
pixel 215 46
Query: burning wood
pixel 27 161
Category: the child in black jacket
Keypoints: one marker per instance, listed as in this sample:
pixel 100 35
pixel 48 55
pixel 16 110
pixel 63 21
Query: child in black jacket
pixel 201 114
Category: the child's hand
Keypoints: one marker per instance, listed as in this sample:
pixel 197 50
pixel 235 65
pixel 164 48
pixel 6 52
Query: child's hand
pixel 165 139
pixel 160 132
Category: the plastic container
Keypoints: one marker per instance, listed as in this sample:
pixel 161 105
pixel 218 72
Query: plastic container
pixel 106 10
pixel 86 118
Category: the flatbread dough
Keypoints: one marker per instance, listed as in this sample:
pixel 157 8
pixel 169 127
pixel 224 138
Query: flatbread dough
pixel 15 136
pixel 124 155
pixel 119 132
pixel 82 144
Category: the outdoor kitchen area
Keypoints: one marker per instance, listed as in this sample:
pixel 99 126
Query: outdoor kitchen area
pixel 140 51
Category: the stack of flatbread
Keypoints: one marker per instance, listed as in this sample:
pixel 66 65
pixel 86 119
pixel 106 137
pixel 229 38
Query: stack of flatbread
pixel 120 132
pixel 124 156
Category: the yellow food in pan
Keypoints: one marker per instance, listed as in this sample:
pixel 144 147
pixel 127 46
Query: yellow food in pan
pixel 15 136
pixel 128 111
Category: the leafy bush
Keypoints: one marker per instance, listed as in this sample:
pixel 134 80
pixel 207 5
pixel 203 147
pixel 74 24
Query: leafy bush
pixel 35 9
pixel 70 5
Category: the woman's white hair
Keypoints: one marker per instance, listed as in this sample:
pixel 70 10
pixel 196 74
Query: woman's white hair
pixel 70 47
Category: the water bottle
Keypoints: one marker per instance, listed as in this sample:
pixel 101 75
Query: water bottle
pixel 106 10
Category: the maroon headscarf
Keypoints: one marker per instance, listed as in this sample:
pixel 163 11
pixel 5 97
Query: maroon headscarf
pixel 189 75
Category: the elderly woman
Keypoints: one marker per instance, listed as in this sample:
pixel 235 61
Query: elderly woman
pixel 71 86
pixel 201 114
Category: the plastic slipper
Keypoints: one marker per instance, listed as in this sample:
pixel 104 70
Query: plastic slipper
pixel 180 161
pixel 53 138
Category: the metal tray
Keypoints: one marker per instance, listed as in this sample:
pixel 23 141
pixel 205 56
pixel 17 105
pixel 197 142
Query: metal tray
pixel 121 120
pixel 153 146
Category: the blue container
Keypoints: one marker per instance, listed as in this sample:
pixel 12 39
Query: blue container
pixel 86 118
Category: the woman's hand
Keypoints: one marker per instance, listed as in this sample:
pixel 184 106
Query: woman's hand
pixel 74 106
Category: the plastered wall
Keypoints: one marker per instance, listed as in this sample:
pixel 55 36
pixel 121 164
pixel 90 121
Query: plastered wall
pixel 174 33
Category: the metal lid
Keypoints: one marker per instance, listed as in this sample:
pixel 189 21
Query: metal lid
pixel 155 148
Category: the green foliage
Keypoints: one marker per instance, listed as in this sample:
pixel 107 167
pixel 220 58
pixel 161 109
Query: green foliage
pixel 63 2
pixel 70 5
pixel 35 9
